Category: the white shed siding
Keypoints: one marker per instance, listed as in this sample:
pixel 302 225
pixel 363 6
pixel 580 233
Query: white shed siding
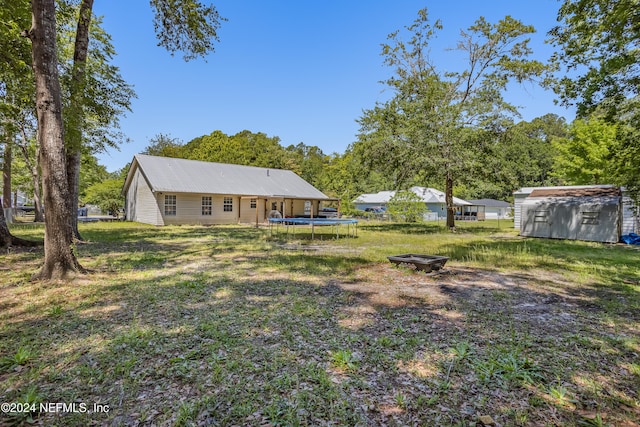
pixel 517 208
pixel 142 205
pixel 629 218
pixel 189 209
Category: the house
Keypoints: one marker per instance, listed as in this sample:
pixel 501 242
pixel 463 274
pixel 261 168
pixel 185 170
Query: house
pixel 163 191
pixel 629 220
pixel 493 209
pixel 432 198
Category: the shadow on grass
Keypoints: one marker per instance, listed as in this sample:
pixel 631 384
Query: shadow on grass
pixel 203 346
pixel 236 340
pixel 480 227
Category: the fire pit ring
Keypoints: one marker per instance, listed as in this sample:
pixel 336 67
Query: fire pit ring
pixel 426 263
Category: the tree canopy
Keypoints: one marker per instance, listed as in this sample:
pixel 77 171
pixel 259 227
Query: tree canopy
pixel 428 125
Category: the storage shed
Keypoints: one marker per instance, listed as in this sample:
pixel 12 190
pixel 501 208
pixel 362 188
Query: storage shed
pixel 591 214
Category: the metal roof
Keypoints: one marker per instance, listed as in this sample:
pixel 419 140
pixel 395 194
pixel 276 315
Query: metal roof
pixel 529 190
pixel 577 192
pixel 431 195
pixel 171 175
pixel 427 195
pixel 380 197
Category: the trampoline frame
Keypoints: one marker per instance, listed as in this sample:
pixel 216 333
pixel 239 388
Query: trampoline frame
pixel 313 222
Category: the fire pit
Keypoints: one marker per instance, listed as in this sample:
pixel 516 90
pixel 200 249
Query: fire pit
pixel 426 263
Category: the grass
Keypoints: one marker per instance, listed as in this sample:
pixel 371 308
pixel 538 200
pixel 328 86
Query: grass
pixel 230 325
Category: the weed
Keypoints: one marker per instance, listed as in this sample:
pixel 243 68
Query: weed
pixel 56 311
pixel 384 341
pixel 223 326
pixel 344 360
pixel 29 404
pixel 401 400
pixel 20 358
pixel 461 350
pixel 596 421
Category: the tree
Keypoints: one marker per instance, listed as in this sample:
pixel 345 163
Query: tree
pixel 407 206
pixel 16 88
pixel 597 56
pixel 597 60
pixel 7 239
pixel 244 148
pixel 164 145
pixel 584 157
pixel 107 195
pixel 180 24
pixel 6 172
pixel 59 257
pixel 427 125
pixel 521 155
pixel 31 155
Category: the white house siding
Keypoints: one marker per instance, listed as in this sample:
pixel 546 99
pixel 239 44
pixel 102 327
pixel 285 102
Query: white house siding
pixel 493 212
pixel 141 203
pixel 189 209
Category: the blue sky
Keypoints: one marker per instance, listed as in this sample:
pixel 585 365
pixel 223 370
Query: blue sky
pixel 300 70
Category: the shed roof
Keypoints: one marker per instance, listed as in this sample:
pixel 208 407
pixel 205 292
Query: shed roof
pixel 529 190
pixel 171 175
pixel 577 192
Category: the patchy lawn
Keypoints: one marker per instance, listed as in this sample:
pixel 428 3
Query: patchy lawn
pixel 229 326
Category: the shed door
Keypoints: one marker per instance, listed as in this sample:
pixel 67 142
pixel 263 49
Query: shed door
pixel 535 221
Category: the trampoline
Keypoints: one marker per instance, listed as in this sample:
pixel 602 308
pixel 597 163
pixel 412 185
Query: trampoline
pixel 352 225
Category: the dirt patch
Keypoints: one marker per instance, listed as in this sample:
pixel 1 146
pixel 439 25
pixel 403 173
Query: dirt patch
pixel 540 298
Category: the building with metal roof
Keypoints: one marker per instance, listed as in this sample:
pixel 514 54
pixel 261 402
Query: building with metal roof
pixel 432 198
pixel 629 221
pixel 164 190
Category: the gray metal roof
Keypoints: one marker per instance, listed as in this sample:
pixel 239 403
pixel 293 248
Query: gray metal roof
pixel 171 175
pixel 427 195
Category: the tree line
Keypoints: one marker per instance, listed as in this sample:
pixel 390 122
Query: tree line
pixel 60 100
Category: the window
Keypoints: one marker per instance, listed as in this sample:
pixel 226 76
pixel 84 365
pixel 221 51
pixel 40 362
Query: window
pixel 228 204
pixel 254 203
pixel 206 205
pixel 170 204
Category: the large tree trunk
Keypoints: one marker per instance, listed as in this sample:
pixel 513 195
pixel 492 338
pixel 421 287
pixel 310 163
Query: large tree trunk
pixel 75 119
pixel 59 258
pixel 448 197
pixel 6 175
